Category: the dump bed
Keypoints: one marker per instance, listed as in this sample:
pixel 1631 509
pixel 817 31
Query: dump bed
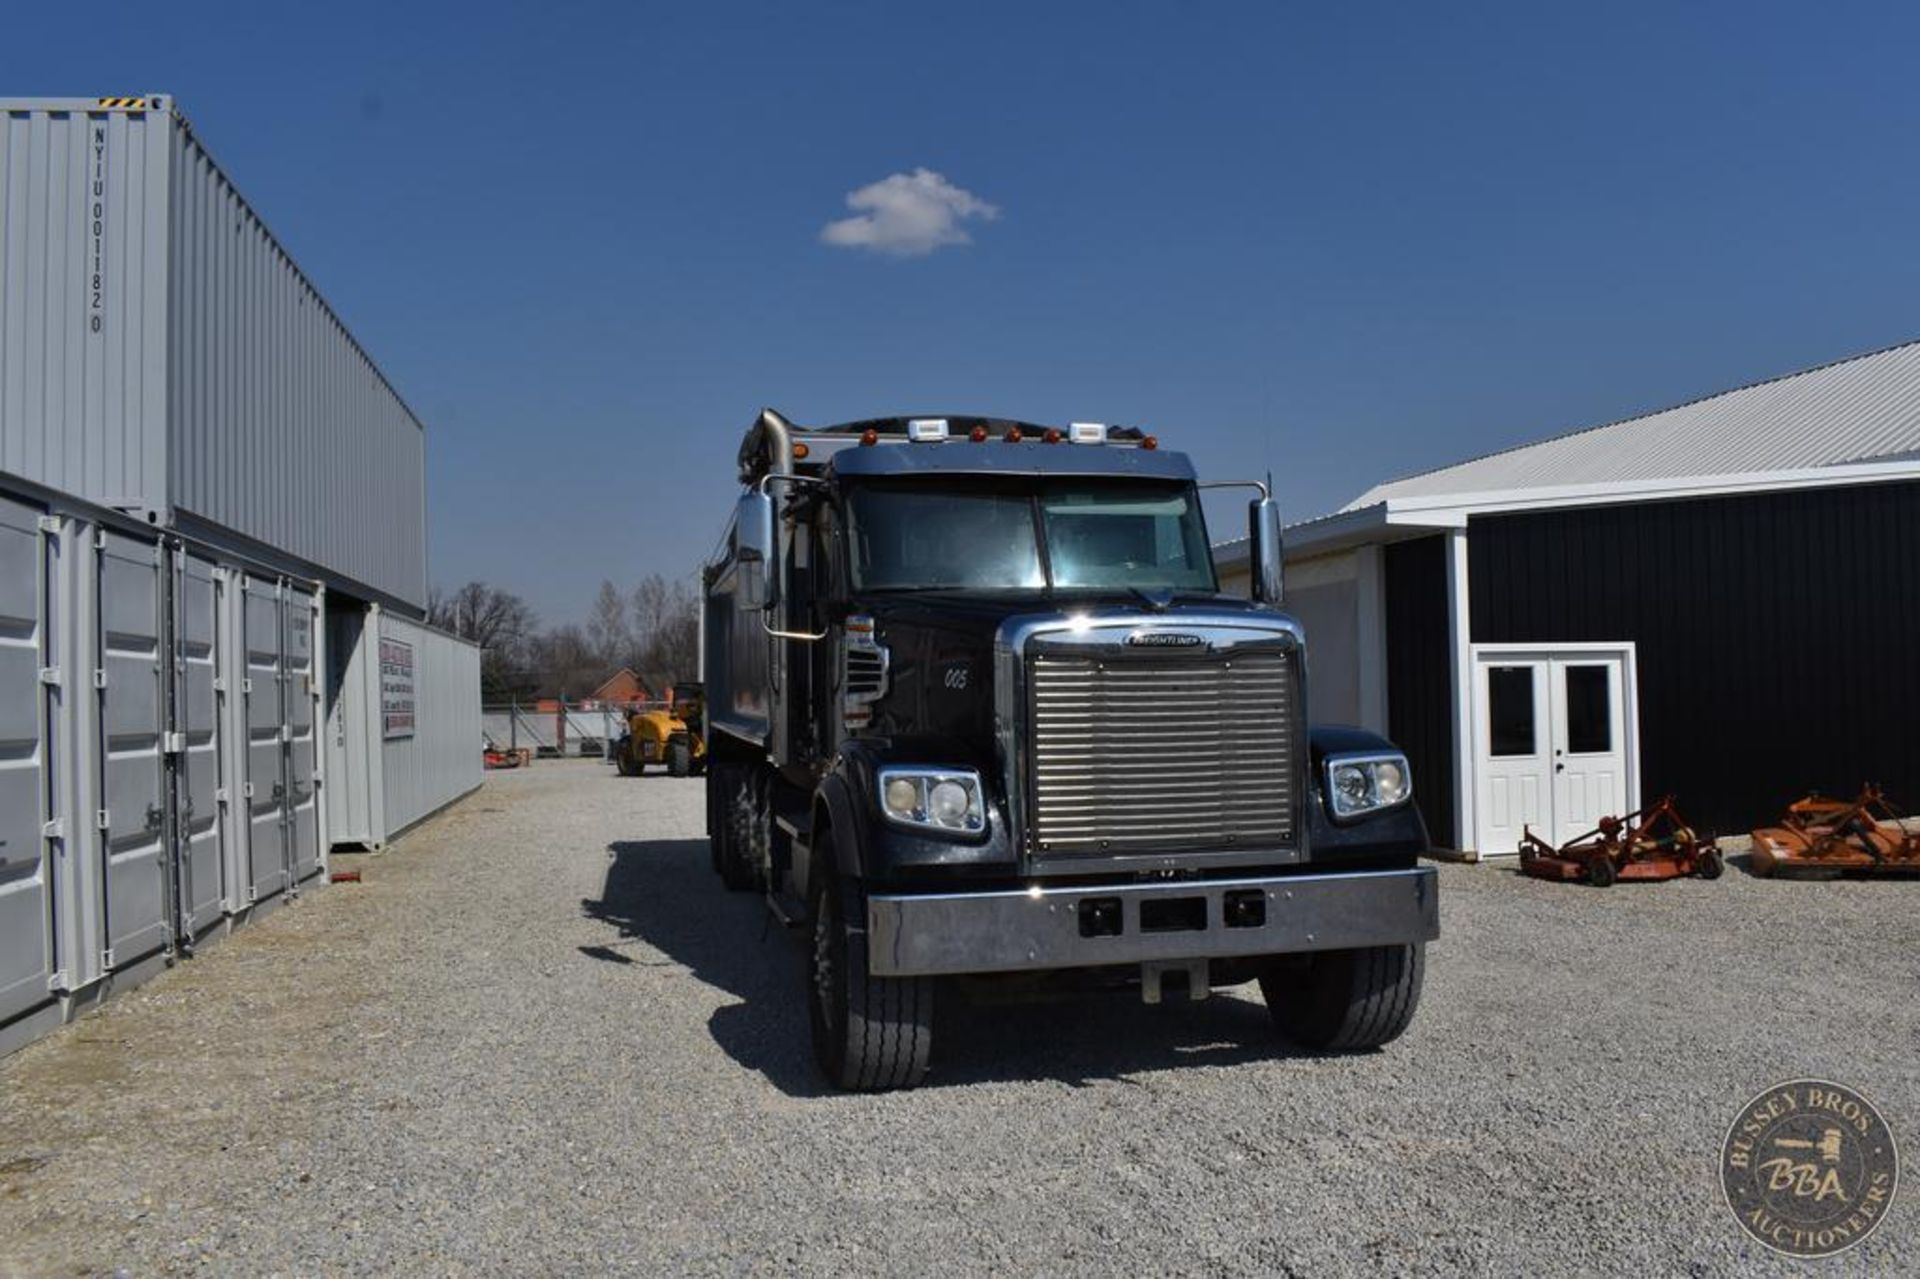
pixel 735 656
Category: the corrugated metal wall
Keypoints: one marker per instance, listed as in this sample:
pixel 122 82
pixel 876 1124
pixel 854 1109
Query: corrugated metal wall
pixel 1420 677
pixel 283 429
pixel 161 352
pixel 1331 615
pixel 1774 633
pixel 441 760
pixel 83 304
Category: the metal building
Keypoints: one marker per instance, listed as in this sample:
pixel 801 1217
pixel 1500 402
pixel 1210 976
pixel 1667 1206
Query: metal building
pixel 1714 601
pixel 203 479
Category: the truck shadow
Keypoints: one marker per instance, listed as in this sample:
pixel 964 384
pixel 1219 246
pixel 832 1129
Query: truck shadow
pixel 663 894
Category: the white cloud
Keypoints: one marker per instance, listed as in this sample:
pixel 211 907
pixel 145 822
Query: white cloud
pixel 908 215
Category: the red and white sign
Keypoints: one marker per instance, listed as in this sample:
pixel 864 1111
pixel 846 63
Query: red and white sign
pixel 396 688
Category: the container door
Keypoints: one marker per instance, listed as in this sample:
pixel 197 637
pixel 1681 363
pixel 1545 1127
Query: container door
pixel 230 709
pixel 263 691
pixel 131 754
pixel 197 721
pixel 1513 765
pixel 26 956
pixel 1589 743
pixel 303 742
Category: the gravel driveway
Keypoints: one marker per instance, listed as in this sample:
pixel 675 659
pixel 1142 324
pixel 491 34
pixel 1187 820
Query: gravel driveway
pixel 540 1038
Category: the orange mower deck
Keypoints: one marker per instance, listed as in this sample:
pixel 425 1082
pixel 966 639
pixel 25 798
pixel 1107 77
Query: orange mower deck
pixel 1863 836
pixel 1652 844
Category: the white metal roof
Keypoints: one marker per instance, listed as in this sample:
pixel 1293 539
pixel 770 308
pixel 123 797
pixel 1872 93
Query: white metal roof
pixel 1862 409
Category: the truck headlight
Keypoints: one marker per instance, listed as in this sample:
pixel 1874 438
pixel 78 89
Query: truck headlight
pixel 941 799
pixel 1361 784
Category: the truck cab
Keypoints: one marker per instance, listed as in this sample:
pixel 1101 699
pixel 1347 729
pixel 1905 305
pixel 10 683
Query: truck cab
pixel 976 707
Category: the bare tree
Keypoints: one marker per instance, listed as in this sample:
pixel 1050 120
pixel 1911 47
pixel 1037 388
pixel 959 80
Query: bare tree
pixel 609 630
pixel 498 621
pixel 650 605
pixel 667 628
pixel 567 665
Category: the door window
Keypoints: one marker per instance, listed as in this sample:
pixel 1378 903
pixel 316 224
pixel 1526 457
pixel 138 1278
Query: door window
pixel 1510 711
pixel 1589 709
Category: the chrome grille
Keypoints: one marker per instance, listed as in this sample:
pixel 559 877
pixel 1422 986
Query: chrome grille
pixel 1139 754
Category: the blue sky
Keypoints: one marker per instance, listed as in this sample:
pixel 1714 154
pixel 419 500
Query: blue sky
pixel 1344 242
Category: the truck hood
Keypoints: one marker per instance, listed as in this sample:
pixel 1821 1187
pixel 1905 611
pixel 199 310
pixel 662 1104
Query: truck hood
pixel 977 615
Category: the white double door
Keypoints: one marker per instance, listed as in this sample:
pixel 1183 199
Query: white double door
pixel 1554 740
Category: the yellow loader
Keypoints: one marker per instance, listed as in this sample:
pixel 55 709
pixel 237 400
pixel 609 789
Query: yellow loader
pixel 674 735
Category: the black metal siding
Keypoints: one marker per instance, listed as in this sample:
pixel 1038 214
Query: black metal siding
pixel 1420 676
pixel 1776 634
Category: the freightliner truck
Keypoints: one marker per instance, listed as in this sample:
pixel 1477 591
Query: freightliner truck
pixel 977 709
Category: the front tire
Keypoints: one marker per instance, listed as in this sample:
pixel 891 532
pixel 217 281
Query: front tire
pixel 869 1033
pixel 679 758
pixel 1343 1000
pixel 624 761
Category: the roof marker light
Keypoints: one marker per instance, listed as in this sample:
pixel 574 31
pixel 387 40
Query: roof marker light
pixel 1012 436
pixel 1052 436
pixel 869 436
pixel 1150 442
pixel 978 434
pixel 926 430
pixel 1089 432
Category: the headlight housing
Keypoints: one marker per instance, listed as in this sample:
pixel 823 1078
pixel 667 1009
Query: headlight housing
pixel 1361 784
pixel 945 800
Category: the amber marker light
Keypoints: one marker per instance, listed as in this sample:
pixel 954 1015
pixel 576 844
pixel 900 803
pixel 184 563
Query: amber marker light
pixel 1052 436
pixel 1012 436
pixel 978 435
pixel 869 436
pixel 1150 442
pixel 800 452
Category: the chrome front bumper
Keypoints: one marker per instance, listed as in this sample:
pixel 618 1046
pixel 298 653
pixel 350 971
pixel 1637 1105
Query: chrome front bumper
pixel 916 935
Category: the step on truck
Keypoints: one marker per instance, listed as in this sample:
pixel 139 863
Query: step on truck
pixel 977 709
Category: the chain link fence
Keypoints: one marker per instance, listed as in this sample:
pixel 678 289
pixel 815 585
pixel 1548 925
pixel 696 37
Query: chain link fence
pixel 555 730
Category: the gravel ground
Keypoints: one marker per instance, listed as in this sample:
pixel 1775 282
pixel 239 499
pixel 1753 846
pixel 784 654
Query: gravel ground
pixel 540 1038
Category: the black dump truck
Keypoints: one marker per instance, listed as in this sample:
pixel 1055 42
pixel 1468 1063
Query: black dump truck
pixel 976 707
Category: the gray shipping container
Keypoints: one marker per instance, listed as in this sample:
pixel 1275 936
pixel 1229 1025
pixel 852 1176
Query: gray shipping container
pixel 162 355
pixel 159 770
pixel 403 725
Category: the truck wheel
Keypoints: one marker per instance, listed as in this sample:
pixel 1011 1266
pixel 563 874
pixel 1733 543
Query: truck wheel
pixel 731 789
pixel 624 761
pixel 1347 999
pixel 679 758
pixel 869 1033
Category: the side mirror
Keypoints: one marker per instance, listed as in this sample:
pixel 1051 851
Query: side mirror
pixel 1265 551
pixel 753 549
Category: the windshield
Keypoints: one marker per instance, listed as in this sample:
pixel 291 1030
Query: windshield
pixel 1077 534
